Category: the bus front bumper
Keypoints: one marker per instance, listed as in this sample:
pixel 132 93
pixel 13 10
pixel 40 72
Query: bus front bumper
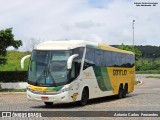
pixel 63 97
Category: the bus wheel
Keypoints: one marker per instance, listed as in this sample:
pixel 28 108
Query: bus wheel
pixel 48 103
pixel 84 98
pixel 125 90
pixel 124 93
pixel 120 93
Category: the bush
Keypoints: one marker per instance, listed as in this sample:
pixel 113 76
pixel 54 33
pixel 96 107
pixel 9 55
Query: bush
pixel 13 76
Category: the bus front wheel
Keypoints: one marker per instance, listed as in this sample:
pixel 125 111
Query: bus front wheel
pixel 120 93
pixel 84 97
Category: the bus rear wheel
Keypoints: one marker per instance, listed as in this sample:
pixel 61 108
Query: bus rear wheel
pixel 84 98
pixel 125 91
pixel 48 103
pixel 120 93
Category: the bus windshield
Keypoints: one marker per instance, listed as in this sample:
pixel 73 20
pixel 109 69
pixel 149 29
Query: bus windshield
pixel 49 68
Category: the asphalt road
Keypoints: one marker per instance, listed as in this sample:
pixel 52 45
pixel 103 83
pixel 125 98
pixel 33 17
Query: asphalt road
pixel 146 97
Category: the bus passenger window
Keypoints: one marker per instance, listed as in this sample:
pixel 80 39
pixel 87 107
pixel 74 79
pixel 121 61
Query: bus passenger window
pixel 87 64
pixel 75 70
pixel 89 58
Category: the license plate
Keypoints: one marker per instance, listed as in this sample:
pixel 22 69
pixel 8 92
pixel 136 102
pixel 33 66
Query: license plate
pixel 44 98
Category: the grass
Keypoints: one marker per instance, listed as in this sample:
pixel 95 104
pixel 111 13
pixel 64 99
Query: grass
pixel 153 77
pixel 13 61
pixel 148 72
pixel 12 90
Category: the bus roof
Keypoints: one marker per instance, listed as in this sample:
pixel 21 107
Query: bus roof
pixel 71 44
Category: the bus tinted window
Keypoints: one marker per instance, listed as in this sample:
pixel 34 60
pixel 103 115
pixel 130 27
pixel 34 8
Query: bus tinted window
pixel 107 58
pixel 89 58
pixel 115 58
pixel 98 58
pixel 132 60
pixel 78 51
pixel 122 60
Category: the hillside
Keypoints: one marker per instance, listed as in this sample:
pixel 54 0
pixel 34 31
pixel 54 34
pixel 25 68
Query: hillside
pixel 150 59
pixel 148 51
pixel 13 61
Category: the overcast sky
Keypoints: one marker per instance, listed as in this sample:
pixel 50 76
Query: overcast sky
pixel 105 21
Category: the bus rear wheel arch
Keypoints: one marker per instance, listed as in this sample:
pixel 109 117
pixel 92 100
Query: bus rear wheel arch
pixel 84 96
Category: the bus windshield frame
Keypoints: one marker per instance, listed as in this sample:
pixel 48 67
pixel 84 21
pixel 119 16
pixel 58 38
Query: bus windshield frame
pixel 48 68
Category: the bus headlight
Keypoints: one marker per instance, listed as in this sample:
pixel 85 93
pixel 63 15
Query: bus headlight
pixel 64 89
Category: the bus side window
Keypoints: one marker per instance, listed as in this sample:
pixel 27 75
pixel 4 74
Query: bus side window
pixel 75 70
pixel 131 58
pixel 76 65
pixel 108 58
pixel 122 60
pixel 128 61
pixel 89 58
pixel 115 57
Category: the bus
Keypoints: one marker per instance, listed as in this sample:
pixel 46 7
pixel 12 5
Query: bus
pixel 77 70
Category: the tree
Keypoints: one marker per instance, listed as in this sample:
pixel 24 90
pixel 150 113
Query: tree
pixel 137 52
pixel 31 44
pixel 6 40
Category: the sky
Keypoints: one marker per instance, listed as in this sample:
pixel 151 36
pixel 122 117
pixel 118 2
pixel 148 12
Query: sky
pixel 102 21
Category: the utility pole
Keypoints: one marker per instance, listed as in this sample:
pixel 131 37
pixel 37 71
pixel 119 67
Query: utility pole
pixel 133 34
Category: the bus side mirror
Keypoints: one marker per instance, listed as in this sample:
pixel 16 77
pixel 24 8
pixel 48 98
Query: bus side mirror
pixel 23 59
pixel 69 61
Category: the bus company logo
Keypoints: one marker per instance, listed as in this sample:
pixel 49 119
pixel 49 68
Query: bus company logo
pixel 119 72
pixel 87 74
pixel 74 96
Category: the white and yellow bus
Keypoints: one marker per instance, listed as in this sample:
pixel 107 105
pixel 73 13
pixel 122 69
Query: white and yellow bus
pixel 76 71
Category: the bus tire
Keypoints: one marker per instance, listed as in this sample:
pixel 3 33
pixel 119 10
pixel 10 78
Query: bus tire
pixel 125 90
pixel 120 93
pixel 84 97
pixel 48 103
pixel 124 93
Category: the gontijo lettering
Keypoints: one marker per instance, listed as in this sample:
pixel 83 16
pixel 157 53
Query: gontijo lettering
pixel 119 72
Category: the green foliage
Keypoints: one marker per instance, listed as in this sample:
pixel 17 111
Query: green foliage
pixel 149 51
pixel 158 77
pixel 6 40
pixel 12 90
pixel 13 76
pixel 137 52
pixel 148 72
pixel 13 63
pixel 148 64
